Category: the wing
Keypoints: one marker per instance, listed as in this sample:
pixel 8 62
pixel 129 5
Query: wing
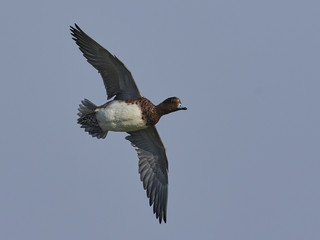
pixel 117 79
pixel 153 168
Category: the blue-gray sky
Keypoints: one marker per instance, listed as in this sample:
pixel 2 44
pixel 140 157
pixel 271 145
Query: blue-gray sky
pixel 244 159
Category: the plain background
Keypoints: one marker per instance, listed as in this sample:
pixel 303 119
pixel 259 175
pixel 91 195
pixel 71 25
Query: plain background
pixel 244 159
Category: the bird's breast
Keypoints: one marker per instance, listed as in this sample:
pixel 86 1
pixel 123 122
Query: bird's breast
pixel 120 116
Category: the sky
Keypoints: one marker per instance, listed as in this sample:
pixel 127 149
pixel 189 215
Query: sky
pixel 244 159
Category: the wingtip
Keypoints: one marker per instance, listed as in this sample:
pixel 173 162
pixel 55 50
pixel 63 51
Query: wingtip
pixel 75 28
pixel 162 218
pixel 79 29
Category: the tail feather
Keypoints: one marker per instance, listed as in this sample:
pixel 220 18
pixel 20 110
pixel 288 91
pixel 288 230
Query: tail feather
pixel 87 119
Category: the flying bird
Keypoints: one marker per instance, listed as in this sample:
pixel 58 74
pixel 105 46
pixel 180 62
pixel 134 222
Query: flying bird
pixel 128 112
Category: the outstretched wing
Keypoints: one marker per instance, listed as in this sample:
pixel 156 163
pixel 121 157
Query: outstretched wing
pixel 153 168
pixel 117 79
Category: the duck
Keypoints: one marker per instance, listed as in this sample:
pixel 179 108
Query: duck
pixel 127 110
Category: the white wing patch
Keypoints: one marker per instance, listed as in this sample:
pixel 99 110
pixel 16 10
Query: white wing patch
pixel 120 116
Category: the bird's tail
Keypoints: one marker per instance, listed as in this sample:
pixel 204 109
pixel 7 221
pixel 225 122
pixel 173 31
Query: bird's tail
pixel 87 119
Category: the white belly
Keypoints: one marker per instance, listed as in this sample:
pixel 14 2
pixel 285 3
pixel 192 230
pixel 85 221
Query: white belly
pixel 120 117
